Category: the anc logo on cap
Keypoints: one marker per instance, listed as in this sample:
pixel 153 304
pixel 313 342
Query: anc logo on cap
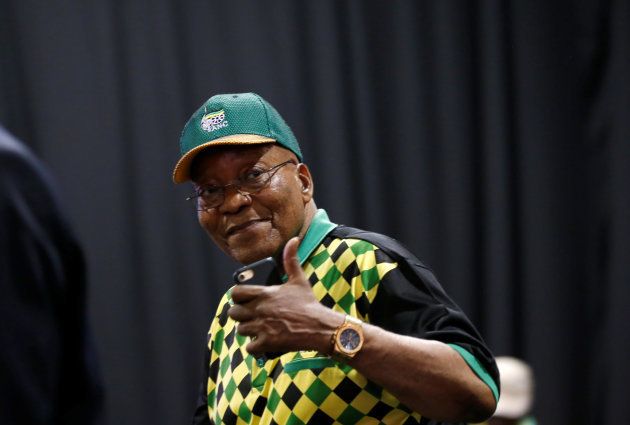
pixel 214 121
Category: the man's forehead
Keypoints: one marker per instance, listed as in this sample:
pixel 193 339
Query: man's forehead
pixel 217 160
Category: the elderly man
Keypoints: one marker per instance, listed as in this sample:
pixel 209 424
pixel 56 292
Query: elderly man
pixel 360 329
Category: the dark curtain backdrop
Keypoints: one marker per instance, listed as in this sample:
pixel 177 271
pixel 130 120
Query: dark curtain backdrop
pixel 491 137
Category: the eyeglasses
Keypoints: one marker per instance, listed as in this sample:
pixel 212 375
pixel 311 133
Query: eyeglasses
pixel 251 182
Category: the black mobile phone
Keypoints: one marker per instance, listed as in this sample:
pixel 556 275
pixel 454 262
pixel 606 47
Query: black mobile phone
pixel 263 272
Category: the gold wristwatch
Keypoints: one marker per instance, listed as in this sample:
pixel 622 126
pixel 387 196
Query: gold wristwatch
pixel 348 338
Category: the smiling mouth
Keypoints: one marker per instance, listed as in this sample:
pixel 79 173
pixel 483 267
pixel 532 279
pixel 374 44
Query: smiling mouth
pixel 243 226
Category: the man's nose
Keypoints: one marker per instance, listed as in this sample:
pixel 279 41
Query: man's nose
pixel 234 199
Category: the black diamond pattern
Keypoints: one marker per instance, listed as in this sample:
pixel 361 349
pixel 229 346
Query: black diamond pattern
pixel 328 301
pixel 237 359
pixel 319 417
pixel 223 316
pixel 348 390
pixel 229 417
pixel 220 390
pixel 259 406
pixel 343 246
pixel 379 410
pixel 229 338
pixel 214 368
pixel 291 395
pixel 245 385
pixel 351 272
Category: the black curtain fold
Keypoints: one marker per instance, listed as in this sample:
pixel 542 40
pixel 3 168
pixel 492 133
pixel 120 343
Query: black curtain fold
pixel 492 138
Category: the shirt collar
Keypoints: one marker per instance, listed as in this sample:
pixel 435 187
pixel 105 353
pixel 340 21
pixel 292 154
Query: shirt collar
pixel 318 229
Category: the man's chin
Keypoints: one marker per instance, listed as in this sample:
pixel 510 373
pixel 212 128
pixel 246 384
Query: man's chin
pixel 251 253
pixel 248 247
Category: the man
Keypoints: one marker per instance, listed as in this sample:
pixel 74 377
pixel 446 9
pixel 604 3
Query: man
pixel 48 373
pixel 367 333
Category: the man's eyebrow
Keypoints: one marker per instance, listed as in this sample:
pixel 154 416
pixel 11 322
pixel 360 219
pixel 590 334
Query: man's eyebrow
pixel 200 185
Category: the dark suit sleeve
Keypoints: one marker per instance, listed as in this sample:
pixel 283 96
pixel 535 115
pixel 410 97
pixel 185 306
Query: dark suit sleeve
pixel 49 372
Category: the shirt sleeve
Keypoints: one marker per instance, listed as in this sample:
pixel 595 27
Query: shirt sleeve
pixel 410 301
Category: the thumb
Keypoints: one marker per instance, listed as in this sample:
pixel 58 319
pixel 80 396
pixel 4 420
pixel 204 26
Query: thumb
pixel 290 259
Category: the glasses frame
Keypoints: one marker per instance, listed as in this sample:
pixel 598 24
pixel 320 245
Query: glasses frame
pixel 238 187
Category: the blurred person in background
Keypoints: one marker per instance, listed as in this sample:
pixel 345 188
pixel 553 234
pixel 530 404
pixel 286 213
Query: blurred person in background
pixel 48 373
pixel 517 393
pixel 357 330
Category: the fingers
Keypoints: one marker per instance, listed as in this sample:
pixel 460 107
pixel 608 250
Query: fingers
pixel 290 259
pixel 245 293
pixel 247 329
pixel 256 346
pixel 240 313
pixel 247 326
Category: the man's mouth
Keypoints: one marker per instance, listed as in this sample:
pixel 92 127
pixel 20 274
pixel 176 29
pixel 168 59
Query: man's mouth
pixel 235 228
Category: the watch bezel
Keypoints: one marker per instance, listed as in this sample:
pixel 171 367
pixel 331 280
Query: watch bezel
pixel 355 325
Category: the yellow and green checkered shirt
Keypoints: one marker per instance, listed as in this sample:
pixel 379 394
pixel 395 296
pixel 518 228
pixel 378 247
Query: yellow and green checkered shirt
pixel 347 274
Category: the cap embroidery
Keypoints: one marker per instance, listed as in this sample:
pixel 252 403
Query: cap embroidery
pixel 214 121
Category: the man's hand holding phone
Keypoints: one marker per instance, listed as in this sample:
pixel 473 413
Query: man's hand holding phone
pixel 285 317
pixel 264 272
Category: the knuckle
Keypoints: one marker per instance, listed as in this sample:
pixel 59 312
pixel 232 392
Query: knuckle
pixel 236 294
pixel 245 328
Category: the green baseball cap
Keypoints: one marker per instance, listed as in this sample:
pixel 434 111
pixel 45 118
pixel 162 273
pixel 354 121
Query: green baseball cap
pixel 232 119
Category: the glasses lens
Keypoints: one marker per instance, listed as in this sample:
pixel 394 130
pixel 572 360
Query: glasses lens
pixel 208 198
pixel 254 184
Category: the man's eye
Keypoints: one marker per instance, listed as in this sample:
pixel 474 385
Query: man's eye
pixel 208 191
pixel 253 175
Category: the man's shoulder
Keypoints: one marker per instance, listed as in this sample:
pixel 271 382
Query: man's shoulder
pixel 392 247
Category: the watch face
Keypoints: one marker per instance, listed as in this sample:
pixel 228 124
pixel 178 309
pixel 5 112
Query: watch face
pixel 349 339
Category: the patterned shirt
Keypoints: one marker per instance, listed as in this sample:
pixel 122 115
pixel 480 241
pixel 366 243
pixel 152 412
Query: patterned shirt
pixel 355 273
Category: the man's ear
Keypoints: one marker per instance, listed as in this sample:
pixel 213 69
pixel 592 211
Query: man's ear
pixel 304 175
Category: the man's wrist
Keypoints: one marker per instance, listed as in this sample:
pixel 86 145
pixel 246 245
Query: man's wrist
pixel 329 322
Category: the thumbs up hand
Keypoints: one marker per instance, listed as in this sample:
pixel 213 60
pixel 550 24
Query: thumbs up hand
pixel 287 317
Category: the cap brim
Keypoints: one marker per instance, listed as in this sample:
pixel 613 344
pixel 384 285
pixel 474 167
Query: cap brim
pixel 181 173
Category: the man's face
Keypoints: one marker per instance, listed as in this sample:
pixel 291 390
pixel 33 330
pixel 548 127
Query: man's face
pixel 252 227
